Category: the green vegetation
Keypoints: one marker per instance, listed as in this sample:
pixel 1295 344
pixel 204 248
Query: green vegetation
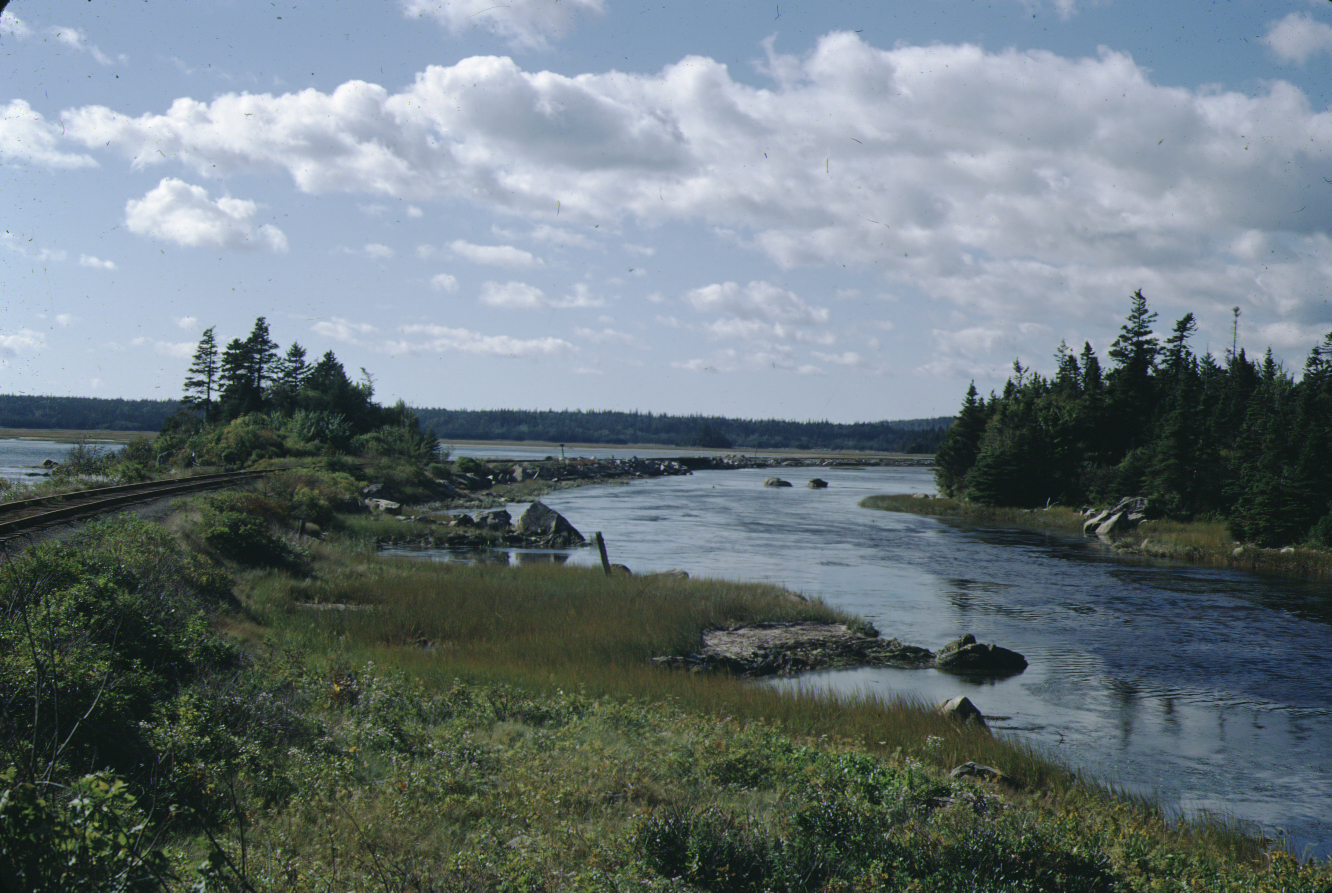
pixel 1241 442
pixel 223 703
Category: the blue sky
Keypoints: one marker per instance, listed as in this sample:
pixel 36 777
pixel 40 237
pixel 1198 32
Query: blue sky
pixel 842 210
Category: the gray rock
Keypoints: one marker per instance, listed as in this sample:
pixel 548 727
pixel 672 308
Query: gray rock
pixel 494 519
pixel 1123 516
pixel 817 484
pixel 385 506
pixel 673 572
pixel 966 655
pixel 961 710
pixel 540 522
pixel 985 773
pixel 775 482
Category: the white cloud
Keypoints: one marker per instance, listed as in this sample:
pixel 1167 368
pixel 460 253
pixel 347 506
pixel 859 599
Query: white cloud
pixel 343 330
pixel 414 211
pixel 378 251
pixel 88 260
pixel 1008 186
pixel 513 295
pixel 188 323
pixel 26 136
pixel 525 23
pixel 12 344
pixel 444 282
pixel 608 336
pixel 1297 37
pixel 77 40
pixel 493 255
pixel 182 213
pixel 758 301
pixel 442 339
pixel 66 319
pixel 178 349
pixel 520 295
pixel 849 358
pixel 14 26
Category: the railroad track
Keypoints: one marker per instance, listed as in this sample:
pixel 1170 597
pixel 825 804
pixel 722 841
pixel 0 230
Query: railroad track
pixel 24 515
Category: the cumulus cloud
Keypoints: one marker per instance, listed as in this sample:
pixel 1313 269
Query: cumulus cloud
pixel 442 339
pixel 493 255
pixel 188 323
pixel 66 319
pixel 444 282
pixel 1009 185
pixel 1297 37
pixel 378 251
pixel 344 330
pixel 12 344
pixel 183 213
pixel 520 295
pixel 27 136
pixel 88 260
pixel 759 301
pixel 524 23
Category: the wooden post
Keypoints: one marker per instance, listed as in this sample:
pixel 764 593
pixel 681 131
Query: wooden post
pixel 601 547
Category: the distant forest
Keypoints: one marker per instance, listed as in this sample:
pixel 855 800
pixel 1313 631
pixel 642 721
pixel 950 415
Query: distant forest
pixel 84 413
pixel 577 426
pixel 552 426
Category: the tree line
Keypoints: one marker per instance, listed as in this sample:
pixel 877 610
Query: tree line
pixel 717 432
pixel 1234 439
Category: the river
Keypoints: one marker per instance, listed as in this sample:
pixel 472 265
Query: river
pixel 1206 688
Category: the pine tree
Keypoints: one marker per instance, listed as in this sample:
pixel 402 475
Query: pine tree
pixel 201 377
pixel 1130 386
pixel 289 373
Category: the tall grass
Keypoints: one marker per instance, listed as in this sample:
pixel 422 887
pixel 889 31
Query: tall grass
pixel 561 628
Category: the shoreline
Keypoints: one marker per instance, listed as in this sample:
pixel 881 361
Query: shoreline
pixel 1206 544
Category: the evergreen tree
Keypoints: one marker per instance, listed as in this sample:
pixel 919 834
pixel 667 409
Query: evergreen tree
pixel 201 377
pixel 960 446
pixel 1130 386
pixel 289 373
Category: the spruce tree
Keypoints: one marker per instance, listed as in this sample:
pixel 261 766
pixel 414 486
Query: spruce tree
pixel 201 377
pixel 960 446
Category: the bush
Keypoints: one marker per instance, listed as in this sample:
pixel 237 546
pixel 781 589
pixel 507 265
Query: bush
pixel 245 539
pixel 468 465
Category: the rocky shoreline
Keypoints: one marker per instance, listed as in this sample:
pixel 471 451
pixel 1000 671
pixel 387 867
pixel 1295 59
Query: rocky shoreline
pixel 785 649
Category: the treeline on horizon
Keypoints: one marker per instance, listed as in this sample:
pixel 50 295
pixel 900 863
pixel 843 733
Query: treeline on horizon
pixel 1234 440
pixel 550 426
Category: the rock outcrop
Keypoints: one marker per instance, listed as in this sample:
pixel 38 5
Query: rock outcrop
pixel 1123 517
pixel 971 658
pixel 817 484
pixel 542 523
pixel 775 482
pixel 961 711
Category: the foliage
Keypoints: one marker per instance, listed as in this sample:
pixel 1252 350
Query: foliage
pixel 1243 441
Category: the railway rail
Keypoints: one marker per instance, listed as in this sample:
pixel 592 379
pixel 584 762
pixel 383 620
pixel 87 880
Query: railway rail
pixel 24 515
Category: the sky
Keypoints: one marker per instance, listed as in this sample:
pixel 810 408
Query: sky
pixel 835 210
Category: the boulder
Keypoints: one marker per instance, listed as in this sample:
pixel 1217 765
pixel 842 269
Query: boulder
pixel 960 710
pixel 966 655
pixel 673 572
pixel 541 522
pixel 985 773
pixel 1121 518
pixel 495 519
pixel 817 484
pixel 385 506
pixel 775 482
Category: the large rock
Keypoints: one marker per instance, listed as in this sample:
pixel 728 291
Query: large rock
pixel 961 711
pixel 541 522
pixel 384 505
pixel 966 655
pixel 775 482
pixel 1121 518
pixel 495 519
pixel 817 484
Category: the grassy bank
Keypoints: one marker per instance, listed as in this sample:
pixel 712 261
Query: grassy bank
pixel 1199 542
pixel 302 715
